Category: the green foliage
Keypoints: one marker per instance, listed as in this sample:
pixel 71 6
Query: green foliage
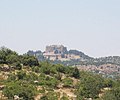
pixel 48 68
pixel 12 58
pixel 8 56
pixel 64 97
pixel 76 73
pixel 29 61
pixel 23 82
pixel 44 98
pixel 25 91
pixel 2 57
pixel 48 81
pixel 36 69
pixel 90 85
pixel 31 77
pixel 113 94
pixel 60 68
pixel 50 96
pixel 109 96
pixel 18 66
pixel 67 82
pixel 21 75
pixel 58 76
pixel 108 83
pixel 11 77
pixel 45 67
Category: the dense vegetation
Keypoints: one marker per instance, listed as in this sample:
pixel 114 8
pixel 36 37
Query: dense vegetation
pixel 26 78
pixel 10 57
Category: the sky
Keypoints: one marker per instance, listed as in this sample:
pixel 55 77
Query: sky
pixel 91 26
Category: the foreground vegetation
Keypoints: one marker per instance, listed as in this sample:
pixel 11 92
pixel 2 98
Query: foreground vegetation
pixel 23 77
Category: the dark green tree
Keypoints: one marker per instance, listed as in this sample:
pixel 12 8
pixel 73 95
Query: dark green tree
pixel 25 91
pixel 29 60
pixel 21 75
pixel 76 73
pixel 90 86
pixel 50 96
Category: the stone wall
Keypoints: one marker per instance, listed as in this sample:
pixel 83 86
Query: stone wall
pixel 57 49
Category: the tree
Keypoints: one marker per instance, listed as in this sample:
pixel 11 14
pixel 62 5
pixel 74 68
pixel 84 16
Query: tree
pixel 21 75
pixel 76 73
pixel 12 58
pixel 90 86
pixel 45 67
pixel 108 83
pixel 50 96
pixel 18 66
pixel 29 60
pixel 113 94
pixel 36 69
pixel 67 82
pixel 7 56
pixel 25 91
pixel 2 57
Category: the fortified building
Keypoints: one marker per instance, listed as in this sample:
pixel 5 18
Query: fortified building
pixel 58 52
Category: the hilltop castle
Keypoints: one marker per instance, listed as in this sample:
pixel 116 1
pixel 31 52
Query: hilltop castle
pixel 58 52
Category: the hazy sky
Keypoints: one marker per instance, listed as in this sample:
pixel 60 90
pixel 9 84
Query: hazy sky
pixel 91 26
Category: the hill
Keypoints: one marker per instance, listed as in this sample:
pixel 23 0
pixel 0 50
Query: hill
pixel 60 54
pixel 23 77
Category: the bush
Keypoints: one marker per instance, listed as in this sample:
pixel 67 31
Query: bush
pixel 50 96
pixel 29 61
pixel 25 91
pixel 21 75
pixel 90 86
pixel 113 94
pixel 67 82
pixel 76 73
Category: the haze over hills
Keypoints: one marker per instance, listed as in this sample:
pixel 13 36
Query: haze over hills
pixel 59 53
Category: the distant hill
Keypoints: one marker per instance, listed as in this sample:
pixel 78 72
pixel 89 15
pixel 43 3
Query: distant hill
pixel 38 54
pixel 60 54
pixel 81 54
pixel 109 59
